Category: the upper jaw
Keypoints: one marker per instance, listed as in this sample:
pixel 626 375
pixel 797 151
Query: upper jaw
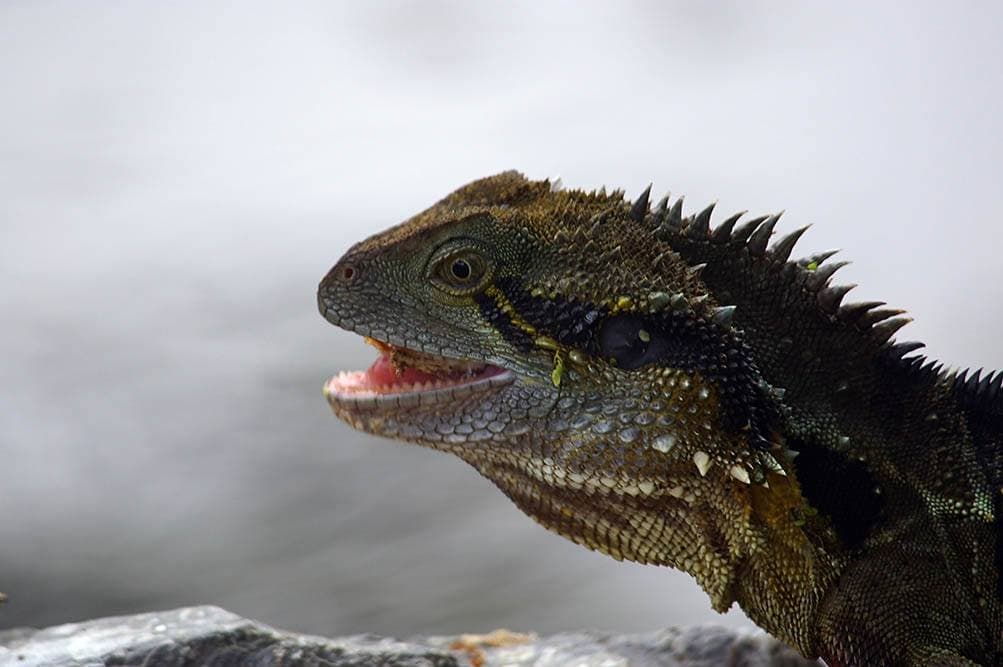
pixel 381 389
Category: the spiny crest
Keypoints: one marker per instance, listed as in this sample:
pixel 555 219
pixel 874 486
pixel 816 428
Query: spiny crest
pixel 868 317
pixel 753 236
pixel 667 221
pixel 976 391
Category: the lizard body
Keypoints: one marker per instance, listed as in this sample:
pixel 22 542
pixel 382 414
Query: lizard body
pixel 671 392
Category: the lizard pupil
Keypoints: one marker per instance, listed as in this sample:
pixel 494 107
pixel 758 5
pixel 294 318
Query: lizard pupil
pixel 461 269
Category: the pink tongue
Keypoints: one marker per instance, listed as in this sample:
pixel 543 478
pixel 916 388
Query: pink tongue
pixel 382 373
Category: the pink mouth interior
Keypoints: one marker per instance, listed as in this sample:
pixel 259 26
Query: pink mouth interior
pixel 383 374
pixel 383 378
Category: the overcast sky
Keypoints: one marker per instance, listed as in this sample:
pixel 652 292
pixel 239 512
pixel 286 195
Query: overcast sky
pixel 175 178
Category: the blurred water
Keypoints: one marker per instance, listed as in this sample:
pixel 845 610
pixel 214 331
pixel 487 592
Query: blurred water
pixel 176 178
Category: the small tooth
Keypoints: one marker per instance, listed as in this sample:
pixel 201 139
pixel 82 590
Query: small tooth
pixel 702 461
pixel 646 488
pixel 676 492
pixel 740 473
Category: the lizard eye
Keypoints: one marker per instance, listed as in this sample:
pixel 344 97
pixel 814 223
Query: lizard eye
pixel 460 272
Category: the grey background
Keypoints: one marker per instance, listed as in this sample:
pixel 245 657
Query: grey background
pixel 175 179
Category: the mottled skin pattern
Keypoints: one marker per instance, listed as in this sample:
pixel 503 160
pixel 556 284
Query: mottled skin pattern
pixel 682 394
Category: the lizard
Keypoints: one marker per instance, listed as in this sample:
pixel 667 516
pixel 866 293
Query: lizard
pixel 673 392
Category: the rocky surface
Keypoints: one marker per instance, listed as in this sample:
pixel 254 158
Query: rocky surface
pixel 213 637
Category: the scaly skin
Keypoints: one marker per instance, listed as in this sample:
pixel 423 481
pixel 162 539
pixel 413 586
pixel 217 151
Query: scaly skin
pixel 673 394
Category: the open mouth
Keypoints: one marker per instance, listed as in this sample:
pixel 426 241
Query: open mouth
pixel 402 376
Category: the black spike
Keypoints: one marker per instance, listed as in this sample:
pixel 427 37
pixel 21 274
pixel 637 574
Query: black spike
pixel 743 231
pixel 902 349
pixel 959 378
pixel 873 317
pixel 760 237
pixel 887 329
pixel 851 312
pixel 973 382
pixel 817 258
pixel 640 207
pixel 700 227
pixel 932 367
pixel 781 250
pixel 830 297
pixel 984 385
pixel 722 234
pixel 660 210
pixel 820 276
pixel 996 389
pixel 675 217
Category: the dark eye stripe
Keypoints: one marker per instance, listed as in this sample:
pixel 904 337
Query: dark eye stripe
pixel 502 323
pixel 568 321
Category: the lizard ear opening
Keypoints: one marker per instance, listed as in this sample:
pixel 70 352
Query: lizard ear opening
pixel 631 342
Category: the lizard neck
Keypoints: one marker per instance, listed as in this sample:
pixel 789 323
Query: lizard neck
pixel 783 580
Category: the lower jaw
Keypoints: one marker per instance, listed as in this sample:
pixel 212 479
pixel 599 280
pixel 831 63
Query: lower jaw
pixel 423 394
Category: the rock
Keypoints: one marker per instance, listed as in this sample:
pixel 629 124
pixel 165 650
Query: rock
pixel 211 636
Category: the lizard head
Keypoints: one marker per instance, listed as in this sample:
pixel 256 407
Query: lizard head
pixel 549 339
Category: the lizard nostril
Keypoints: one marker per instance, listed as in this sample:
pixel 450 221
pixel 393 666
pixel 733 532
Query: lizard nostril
pixel 349 273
